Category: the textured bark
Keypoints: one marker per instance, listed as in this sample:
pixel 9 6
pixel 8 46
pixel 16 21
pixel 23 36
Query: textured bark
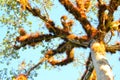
pixel 101 65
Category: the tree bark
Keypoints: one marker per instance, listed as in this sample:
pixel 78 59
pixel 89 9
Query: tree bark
pixel 101 65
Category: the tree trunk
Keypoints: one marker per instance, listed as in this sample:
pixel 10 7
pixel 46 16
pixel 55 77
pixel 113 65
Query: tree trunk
pixel 101 65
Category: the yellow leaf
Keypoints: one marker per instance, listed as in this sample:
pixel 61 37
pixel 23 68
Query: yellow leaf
pixel 13 78
pixel 24 4
pixel 93 76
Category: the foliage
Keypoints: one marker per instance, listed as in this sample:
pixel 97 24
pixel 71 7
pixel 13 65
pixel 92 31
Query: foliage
pixel 28 25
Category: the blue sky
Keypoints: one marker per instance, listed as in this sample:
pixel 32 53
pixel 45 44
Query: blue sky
pixel 71 71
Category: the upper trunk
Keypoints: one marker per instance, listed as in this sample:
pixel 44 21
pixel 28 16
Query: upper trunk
pixel 101 65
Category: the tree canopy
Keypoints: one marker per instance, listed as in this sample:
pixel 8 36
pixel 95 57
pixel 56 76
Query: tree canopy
pixel 54 30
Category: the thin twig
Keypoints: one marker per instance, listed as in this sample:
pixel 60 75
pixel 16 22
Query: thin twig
pixel 40 62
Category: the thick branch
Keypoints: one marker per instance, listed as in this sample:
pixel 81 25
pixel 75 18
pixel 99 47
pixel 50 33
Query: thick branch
pixel 102 16
pixel 80 16
pixel 113 48
pixel 113 5
pixel 31 40
pixel 68 59
pixel 69 44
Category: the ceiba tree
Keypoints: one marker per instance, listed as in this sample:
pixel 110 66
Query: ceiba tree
pixel 97 66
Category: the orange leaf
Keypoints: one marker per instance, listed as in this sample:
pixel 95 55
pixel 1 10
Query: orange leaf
pixel 21 77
